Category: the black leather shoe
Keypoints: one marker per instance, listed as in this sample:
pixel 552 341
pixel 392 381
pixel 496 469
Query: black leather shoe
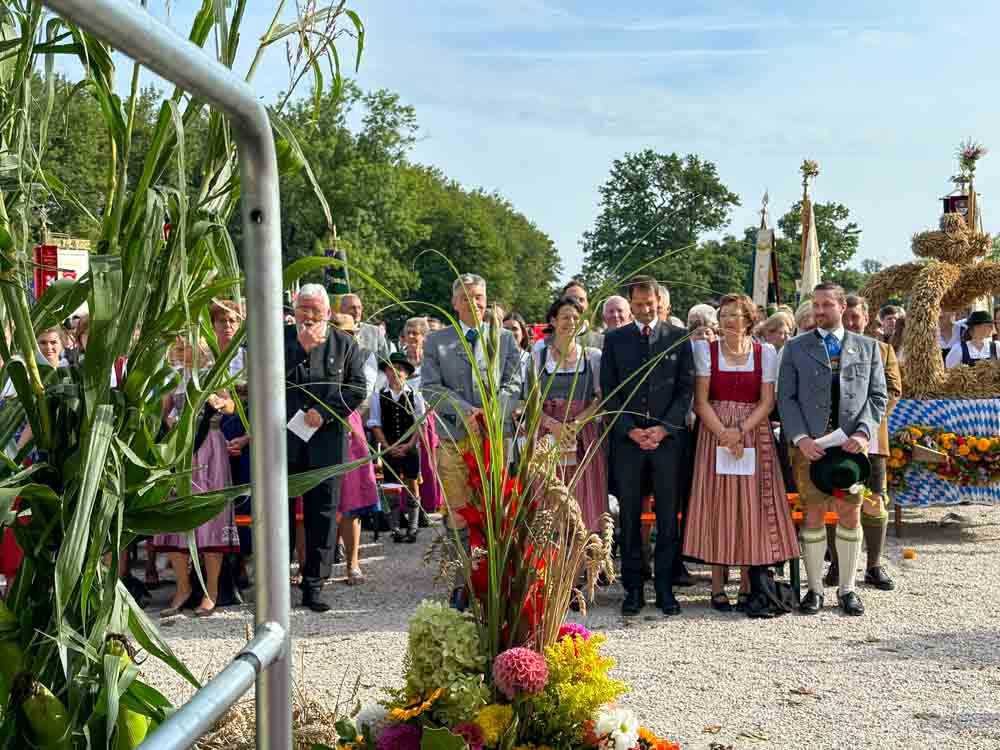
pixel 878 578
pixel 410 538
pixel 669 605
pixel 758 606
pixel 851 604
pixel 634 602
pixel 313 602
pixel 811 603
pixel 832 577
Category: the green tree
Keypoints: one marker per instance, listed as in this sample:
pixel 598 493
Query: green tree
pixel 362 176
pixel 480 232
pixel 838 236
pixel 652 207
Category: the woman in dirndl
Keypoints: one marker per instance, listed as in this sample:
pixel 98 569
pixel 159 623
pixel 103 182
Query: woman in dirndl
pixel 568 376
pixel 210 465
pixel 358 488
pixel 414 332
pixel 737 519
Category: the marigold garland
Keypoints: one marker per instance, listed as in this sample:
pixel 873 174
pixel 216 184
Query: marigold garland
pixel 972 460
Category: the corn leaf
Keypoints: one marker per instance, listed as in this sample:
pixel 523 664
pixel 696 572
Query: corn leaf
pixel 74 547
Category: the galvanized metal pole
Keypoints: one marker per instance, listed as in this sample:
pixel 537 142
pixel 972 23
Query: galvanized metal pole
pixel 132 30
pixel 200 714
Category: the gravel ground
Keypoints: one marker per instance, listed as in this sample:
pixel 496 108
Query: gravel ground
pixel 920 670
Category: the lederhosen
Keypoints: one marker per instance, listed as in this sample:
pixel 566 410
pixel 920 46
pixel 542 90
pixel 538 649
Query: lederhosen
pixel 397 419
pixel 967 355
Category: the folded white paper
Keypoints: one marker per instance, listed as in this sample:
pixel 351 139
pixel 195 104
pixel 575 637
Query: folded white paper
pixel 298 426
pixel 833 440
pixel 727 463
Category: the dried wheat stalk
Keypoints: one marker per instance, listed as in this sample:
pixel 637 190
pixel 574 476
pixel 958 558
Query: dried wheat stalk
pixel 885 284
pixel 955 242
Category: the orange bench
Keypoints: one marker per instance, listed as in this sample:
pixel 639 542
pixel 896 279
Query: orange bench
pixel 648 520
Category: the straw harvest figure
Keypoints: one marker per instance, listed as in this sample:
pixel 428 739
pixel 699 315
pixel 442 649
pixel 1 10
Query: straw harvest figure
pixel 952 276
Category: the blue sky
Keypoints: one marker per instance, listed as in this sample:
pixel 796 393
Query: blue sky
pixel 535 98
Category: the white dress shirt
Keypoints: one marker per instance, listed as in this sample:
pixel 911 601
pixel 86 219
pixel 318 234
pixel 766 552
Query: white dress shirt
pixel 375 413
pixel 954 358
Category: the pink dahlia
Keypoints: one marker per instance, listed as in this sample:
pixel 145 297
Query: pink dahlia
pixel 471 733
pixel 571 628
pixel 399 737
pixel 520 670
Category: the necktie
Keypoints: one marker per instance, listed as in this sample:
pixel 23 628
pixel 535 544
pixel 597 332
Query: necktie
pixel 646 331
pixel 832 344
pixel 472 335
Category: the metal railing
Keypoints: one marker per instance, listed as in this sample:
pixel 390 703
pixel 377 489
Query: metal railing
pixel 265 660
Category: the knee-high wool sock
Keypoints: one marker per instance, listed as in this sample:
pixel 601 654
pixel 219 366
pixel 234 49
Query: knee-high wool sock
pixel 848 550
pixel 874 528
pixel 813 552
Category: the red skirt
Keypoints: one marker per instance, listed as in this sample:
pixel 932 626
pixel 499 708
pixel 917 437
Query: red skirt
pixel 739 520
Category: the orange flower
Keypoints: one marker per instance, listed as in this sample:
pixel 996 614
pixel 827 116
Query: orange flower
pixel 415 706
pixel 645 734
pixel 963 450
pixel 983 445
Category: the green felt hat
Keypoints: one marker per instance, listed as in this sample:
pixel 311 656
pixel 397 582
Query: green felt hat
pixel 839 470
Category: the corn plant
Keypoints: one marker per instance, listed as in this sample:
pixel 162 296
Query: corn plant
pixel 104 470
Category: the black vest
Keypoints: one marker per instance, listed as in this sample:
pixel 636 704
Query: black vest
pixel 397 417
pixel 834 383
pixel 967 355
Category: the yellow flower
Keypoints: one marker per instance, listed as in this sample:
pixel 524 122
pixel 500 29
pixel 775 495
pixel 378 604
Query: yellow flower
pixel 983 445
pixel 915 431
pixel 415 707
pixel 494 720
pixel 963 450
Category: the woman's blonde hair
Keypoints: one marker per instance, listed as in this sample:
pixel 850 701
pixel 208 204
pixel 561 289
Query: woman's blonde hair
pixel 806 308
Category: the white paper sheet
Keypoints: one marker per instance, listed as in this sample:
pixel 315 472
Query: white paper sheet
pixel 298 426
pixel 834 439
pixel 727 463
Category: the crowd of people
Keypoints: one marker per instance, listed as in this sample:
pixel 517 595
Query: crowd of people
pixel 708 423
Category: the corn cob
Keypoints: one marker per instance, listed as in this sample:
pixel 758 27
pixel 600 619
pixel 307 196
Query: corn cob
pixel 132 726
pixel 44 713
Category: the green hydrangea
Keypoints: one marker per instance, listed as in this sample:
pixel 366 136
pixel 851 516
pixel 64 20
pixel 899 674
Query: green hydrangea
pixel 443 651
pixel 462 700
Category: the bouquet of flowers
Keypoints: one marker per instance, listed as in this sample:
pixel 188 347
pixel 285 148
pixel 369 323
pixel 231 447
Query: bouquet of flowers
pixel 969 460
pixel 510 673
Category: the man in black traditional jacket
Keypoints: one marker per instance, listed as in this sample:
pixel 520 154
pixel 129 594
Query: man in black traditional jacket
pixel 326 381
